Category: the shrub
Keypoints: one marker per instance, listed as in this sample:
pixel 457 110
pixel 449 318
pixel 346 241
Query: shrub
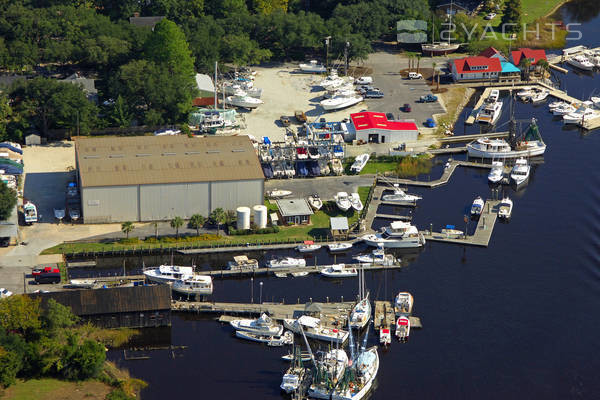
pixel 134 240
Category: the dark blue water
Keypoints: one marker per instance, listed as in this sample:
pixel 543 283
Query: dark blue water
pixel 517 320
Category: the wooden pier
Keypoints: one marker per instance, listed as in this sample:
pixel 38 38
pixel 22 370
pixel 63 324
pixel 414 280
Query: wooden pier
pixel 385 316
pixel 405 218
pixel 470 138
pixel 483 231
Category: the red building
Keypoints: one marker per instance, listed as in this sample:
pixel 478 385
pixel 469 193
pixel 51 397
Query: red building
pixel 374 127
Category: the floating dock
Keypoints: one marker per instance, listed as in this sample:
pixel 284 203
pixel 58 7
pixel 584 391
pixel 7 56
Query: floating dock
pixel 283 272
pixel 385 316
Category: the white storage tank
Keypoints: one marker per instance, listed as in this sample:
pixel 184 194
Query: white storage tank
pixel 260 216
pixel 243 218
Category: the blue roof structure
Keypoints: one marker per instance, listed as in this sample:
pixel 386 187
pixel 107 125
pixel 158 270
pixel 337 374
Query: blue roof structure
pixel 508 68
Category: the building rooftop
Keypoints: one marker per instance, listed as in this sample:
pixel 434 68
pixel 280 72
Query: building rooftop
pixel 145 22
pixel 377 120
pixel 88 84
pixel 477 64
pixel 533 55
pixel 293 207
pixel 147 160
pixel 339 223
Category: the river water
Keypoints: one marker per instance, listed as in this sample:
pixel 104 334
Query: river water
pixel 516 320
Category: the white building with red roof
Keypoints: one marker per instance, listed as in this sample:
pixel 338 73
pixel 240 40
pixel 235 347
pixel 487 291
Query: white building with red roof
pixel 534 56
pixel 374 127
pixel 477 68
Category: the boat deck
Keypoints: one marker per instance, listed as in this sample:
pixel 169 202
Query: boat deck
pixel 385 316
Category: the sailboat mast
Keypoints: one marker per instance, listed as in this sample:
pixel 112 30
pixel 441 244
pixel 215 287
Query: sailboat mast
pixel 216 85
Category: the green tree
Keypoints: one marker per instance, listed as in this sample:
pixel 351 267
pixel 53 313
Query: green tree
pixel 5 115
pixel 9 367
pixel 218 217
pixel 177 223
pixel 8 201
pixel 55 316
pixel 119 113
pixel 19 313
pixel 543 66
pixel 269 6
pixel 525 65
pixel 167 46
pixel 196 222
pixel 127 227
pixel 82 361
pixel 512 14
pixel 241 50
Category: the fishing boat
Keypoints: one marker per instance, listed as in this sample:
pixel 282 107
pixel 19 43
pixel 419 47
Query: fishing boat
pixel 359 163
pixel 505 208
pixel 30 213
pixel 530 145
pixel 286 262
pixel 385 336
pixel 519 174
pixel 194 285
pixel 400 197
pixel 278 194
pixel 329 370
pixel 338 271
pixel 308 246
pixel 403 328
pixel 497 172
pixel 313 67
pixel 361 313
pixel 341 101
pixel 343 201
pixel 275 340
pixel 168 273
pixel 356 202
pixel 244 101
pixel 377 257
pixel 359 377
pixel 83 283
pixel 315 201
pixel 398 234
pixel 339 246
pixel 582 62
pixel 403 303
pixel 264 326
pixel 294 375
pixel 242 263
pixel 451 232
pixel 313 329
pixel 477 206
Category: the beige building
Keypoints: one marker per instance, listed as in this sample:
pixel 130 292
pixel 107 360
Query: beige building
pixel 150 178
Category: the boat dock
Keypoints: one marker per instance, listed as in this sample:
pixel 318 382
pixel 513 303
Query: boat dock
pixel 470 138
pixel 405 218
pixel 483 231
pixel 385 316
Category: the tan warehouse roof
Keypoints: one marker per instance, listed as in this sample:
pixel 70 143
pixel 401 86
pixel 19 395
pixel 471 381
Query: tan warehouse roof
pixel 146 160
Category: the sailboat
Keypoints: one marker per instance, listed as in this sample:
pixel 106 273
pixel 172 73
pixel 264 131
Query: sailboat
pixel 440 48
pixel 361 313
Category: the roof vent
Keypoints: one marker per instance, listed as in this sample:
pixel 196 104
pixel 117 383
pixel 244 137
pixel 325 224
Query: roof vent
pixel 192 152
pixel 238 150
pixel 169 154
pixel 143 155
pixel 116 156
pixel 87 157
pixel 212 151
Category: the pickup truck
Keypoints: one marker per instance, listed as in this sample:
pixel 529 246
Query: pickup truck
pixel 373 94
pixel 428 98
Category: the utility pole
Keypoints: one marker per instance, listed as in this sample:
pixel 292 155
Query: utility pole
pixel 327 51
pixel 346 58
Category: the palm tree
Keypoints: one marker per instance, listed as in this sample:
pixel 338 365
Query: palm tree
pixel 525 64
pixel 196 222
pixel 433 65
pixel 176 223
pixel 418 62
pixel 155 229
pixel 127 227
pixel 230 216
pixel 218 217
pixel 543 65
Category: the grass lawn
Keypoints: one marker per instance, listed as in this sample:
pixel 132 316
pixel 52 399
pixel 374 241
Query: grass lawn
pixel 534 9
pixel 54 389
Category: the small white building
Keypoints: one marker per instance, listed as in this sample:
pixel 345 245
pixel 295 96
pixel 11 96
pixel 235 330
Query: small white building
pixel 374 127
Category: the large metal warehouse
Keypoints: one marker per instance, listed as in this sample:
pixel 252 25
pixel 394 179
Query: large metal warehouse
pixel 151 178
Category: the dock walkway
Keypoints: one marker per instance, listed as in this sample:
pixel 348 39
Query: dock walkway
pixel 281 272
pixel 385 316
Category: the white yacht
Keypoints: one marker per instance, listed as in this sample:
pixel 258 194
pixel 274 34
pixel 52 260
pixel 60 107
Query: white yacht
pixel 313 67
pixel 398 235
pixel 343 201
pixel 244 101
pixel 83 283
pixel 271 340
pixel 262 326
pixel 365 368
pixel 339 102
pixel 556 104
pixel 477 206
pixel 168 273
pixel 489 113
pixel 403 328
pixel 315 201
pixel 524 93
pixel 313 329
pixel 286 262
pixel 278 194
pixel 308 246
pixel 377 257
pixel 355 201
pixel 196 284
pixel 289 169
pixel 564 109
pixel 331 368
pixel 539 95
pixel 519 174
pixel 242 263
pixel 332 81
pixel 505 208
pixel 359 163
pixel 361 314
pixel 338 271
pixel 582 62
pixel 596 101
pixel 404 303
pixel 339 246
pixel 529 146
pixel 497 172
pixel 582 114
pixel 400 197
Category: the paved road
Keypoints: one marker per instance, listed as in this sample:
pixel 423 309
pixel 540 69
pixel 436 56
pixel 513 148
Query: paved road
pixel 326 187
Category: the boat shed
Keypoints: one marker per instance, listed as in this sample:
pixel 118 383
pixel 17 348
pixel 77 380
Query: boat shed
pixel 127 307
pixel 374 127
pixel 9 229
pixel 294 211
pixel 157 178
pixel 339 227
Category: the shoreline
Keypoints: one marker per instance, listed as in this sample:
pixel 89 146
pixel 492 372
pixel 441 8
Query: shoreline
pixel 556 8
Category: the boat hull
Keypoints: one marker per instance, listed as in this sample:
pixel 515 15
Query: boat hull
pixel 396 244
pixel 188 292
pixel 531 152
pixel 366 388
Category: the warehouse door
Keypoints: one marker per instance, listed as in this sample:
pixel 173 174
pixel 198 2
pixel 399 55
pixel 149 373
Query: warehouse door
pixel 373 138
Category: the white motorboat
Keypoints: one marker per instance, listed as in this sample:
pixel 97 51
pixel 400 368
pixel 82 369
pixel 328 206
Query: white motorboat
pixel 596 101
pixel 377 257
pixel 286 262
pixel 398 234
pixel 332 81
pixel 404 303
pixel 582 114
pixel 403 328
pixel 385 336
pixel 338 271
pixel 313 67
pixel 313 329
pixel 30 213
pixel 359 163
pixel 494 96
pixel 270 340
pixel 339 246
pixel 343 201
pixel 361 313
pixel 194 285
pixel 289 169
pixel 331 368
pixel 524 93
pixel 337 167
pixel 519 174
pixel 356 202
pixel 563 109
pixel 489 113
pixel 365 369
pixel 83 283
pixel 278 194
pixel 341 101
pixel 451 232
pixel 262 326
pixel 530 145
pixel 556 104
pixel 477 206
pixel 59 213
pixel 324 167
pixel 244 101
pixel 497 172
pixel 539 95
pixel 582 62
pixel 400 197
pixel 346 90
pixel 304 356
pixel 168 273
pixel 242 263
pixel 505 208
pixel 315 201
pixel 308 246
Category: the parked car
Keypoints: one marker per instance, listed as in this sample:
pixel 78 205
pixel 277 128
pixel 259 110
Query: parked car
pixel 373 94
pixel 285 121
pixel 5 293
pixel 389 116
pixel 414 75
pixel 406 107
pixel 428 98
pixel 51 277
pixel 430 123
pixel 363 80
pixel 490 16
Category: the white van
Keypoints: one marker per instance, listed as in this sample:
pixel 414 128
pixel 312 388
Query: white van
pixel 363 80
pixel 414 75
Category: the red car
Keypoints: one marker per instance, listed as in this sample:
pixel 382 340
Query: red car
pixel 407 108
